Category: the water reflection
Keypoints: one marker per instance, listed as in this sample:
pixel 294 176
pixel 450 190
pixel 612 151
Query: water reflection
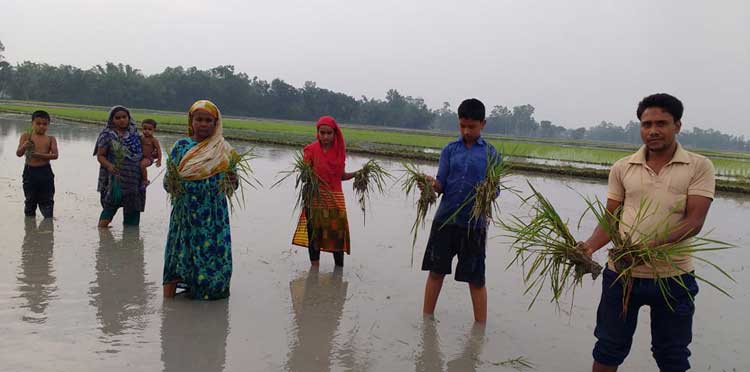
pixel 120 292
pixel 430 357
pixel 318 302
pixel 36 282
pixel 194 335
pixel 4 131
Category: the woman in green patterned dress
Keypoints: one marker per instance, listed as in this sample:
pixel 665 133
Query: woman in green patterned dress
pixel 198 255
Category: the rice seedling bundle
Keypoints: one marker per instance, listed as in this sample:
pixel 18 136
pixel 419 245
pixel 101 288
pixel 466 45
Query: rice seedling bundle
pixel 309 188
pixel 547 251
pixel 370 178
pixel 119 152
pixel 633 248
pixel 239 166
pixel 484 196
pixel 412 180
pixel 173 182
pixel 30 147
pixel 307 183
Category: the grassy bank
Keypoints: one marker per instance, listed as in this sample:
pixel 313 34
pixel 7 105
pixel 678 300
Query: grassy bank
pixel 404 144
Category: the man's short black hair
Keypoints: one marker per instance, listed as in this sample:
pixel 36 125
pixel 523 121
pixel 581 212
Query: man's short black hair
pixel 663 101
pixel 149 121
pixel 472 109
pixel 40 114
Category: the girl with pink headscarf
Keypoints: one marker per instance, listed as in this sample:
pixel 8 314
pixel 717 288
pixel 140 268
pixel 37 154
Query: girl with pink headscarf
pixel 329 232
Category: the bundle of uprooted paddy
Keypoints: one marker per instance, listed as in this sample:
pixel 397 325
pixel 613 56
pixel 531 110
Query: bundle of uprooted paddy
pixel 370 178
pixel 239 165
pixel 547 251
pixel 412 180
pixel 632 248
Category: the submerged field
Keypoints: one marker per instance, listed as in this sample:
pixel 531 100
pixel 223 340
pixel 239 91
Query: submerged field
pixel 576 158
pixel 78 298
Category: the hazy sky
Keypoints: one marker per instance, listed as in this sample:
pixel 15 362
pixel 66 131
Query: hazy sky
pixel 577 62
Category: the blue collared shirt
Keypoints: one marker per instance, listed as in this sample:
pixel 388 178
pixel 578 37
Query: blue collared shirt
pixel 459 171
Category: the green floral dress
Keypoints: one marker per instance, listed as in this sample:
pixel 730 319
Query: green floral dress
pixel 199 244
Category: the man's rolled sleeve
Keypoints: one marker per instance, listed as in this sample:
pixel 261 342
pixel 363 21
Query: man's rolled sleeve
pixel 703 182
pixel 615 187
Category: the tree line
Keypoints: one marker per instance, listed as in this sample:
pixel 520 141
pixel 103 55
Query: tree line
pixel 239 94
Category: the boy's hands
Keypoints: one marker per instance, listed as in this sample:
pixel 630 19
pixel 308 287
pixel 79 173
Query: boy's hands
pixel 434 183
pixel 158 162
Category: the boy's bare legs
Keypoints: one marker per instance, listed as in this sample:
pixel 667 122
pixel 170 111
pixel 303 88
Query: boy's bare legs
pixel 479 302
pixel 104 223
pixel 598 367
pixel 431 292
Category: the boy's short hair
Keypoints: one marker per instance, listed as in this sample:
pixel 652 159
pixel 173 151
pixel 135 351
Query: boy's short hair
pixel 149 121
pixel 663 101
pixel 472 109
pixel 40 114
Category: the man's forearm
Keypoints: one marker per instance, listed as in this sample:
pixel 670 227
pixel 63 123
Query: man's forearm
pixel 686 229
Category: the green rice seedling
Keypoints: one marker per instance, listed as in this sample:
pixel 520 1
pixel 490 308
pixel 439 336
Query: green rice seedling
pixel 119 153
pixel 239 165
pixel 173 182
pixel 372 177
pixel 519 364
pixel 310 188
pixel 412 180
pixel 547 251
pixel 484 196
pixel 633 247
pixel 29 150
pixel 307 182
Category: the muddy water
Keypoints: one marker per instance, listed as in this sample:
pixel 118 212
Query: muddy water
pixel 76 298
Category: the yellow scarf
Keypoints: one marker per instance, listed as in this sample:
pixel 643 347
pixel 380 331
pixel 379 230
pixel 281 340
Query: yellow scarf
pixel 210 156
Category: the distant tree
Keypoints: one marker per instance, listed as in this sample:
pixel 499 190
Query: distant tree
pixel 606 131
pixel 578 134
pixel 633 132
pixel 5 71
pixel 499 120
pixel 523 120
pixel 237 93
pixel 445 118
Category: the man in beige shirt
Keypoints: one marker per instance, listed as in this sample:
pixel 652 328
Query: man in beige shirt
pixel 678 186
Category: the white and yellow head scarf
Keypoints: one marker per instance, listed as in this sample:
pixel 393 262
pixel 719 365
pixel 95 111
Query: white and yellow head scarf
pixel 210 156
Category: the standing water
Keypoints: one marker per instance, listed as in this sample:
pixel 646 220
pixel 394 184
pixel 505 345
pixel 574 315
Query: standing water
pixel 73 297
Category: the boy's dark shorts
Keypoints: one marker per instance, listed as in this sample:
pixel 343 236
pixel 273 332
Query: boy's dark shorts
pixel 451 240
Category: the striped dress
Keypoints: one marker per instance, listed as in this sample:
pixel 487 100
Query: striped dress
pixel 325 226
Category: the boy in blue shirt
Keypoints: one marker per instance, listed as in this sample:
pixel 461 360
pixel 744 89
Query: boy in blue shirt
pixel 462 166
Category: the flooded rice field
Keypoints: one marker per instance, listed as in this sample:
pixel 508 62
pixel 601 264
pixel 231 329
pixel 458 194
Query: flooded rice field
pixel 73 297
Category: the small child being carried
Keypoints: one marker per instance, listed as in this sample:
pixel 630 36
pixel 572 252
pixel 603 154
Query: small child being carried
pixel 151 148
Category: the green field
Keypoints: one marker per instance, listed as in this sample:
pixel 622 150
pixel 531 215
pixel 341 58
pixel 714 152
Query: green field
pixel 733 167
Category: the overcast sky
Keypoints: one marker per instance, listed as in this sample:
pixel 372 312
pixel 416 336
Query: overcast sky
pixel 577 62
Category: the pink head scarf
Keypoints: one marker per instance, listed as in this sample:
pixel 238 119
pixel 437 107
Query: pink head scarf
pixel 330 164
